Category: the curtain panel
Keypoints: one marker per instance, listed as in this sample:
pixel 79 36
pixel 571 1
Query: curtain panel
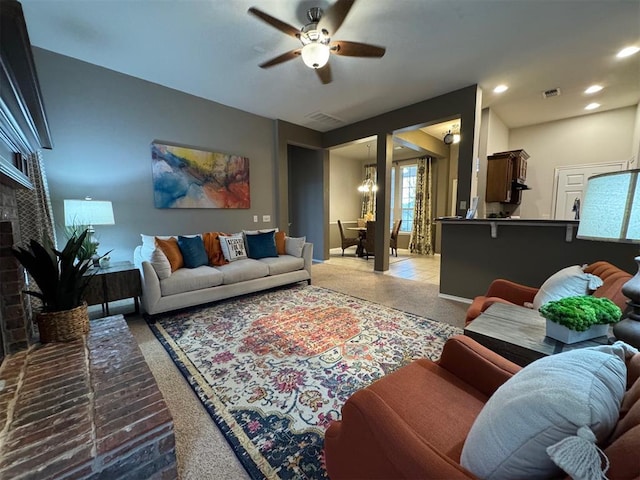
pixel 421 235
pixel 35 215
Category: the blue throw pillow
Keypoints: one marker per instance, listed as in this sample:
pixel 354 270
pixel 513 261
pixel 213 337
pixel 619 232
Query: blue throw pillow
pixel 261 245
pixel 193 252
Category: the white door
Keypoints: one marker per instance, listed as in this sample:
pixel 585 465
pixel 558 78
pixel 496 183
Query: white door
pixel 571 182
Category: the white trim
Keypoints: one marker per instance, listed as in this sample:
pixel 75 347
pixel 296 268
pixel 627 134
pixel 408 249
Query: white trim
pixel 446 296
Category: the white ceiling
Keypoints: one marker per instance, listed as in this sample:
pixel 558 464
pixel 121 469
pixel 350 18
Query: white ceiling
pixel 212 48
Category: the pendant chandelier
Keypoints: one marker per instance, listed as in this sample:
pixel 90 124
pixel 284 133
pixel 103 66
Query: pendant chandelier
pixel 368 185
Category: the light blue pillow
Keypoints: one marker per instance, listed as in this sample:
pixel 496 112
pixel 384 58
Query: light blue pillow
pixel 193 252
pixel 543 404
pixel 261 245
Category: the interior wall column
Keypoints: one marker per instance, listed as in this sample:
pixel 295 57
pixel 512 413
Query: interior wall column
pixel 384 157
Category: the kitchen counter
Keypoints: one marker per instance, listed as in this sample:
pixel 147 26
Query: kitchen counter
pixel 528 251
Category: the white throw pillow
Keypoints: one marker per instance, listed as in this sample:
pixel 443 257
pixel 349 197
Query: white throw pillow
pixel 233 247
pixel 160 264
pixel 293 246
pixel 543 404
pixel 568 282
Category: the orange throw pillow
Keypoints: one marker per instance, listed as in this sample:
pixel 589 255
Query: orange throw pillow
pixel 172 251
pixel 212 247
pixel 280 244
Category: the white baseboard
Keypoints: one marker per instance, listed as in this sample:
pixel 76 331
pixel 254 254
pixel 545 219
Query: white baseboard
pixel 454 298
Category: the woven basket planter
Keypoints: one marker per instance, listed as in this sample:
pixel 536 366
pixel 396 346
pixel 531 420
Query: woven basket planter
pixel 64 326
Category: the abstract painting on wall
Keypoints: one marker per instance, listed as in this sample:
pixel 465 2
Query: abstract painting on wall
pixel 190 178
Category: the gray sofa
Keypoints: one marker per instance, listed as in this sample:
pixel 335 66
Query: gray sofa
pixel 187 287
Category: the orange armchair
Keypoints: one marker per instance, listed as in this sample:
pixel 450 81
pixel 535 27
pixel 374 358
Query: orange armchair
pixel 505 291
pixel 500 291
pixel 416 420
pixel 413 422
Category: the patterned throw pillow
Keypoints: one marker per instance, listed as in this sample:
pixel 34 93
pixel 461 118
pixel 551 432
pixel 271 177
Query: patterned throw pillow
pixel 233 247
pixel 170 248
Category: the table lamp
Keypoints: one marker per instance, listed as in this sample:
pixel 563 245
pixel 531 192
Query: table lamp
pixel 88 212
pixel 610 211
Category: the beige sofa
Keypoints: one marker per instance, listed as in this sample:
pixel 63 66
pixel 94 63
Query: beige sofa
pixel 188 287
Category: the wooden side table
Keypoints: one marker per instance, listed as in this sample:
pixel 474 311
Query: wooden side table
pixel 117 281
pixel 518 334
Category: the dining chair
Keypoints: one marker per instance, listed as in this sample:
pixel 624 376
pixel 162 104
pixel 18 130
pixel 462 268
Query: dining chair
pixel 393 241
pixel 347 242
pixel 370 239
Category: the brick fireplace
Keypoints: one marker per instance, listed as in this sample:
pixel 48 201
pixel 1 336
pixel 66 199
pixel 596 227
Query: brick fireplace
pixel 16 328
pixel 85 409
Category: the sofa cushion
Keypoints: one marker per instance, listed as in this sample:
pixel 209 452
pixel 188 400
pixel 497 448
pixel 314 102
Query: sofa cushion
pixel 283 264
pixel 212 246
pixel 233 247
pixel 172 251
pixel 193 252
pixel 280 243
pixel 189 279
pixel 261 245
pixel 568 282
pixel 293 246
pixel 243 270
pixel 543 404
pixel 160 264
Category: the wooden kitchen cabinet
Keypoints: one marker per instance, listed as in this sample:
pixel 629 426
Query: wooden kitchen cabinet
pixel 506 176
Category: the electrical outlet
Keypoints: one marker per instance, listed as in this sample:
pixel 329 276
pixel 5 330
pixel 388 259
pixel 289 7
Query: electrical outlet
pixel 463 204
pixel 266 218
pixel 255 218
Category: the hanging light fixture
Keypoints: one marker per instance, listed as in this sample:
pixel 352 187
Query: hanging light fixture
pixel 452 136
pixel 368 186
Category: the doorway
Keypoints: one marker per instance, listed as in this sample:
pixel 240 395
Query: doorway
pixel 570 183
pixel 308 207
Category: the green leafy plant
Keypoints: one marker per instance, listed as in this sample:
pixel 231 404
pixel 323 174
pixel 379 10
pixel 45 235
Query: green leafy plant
pixel 89 246
pixel 581 312
pixel 59 275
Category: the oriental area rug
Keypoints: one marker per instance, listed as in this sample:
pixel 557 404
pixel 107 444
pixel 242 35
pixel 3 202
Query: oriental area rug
pixel 273 369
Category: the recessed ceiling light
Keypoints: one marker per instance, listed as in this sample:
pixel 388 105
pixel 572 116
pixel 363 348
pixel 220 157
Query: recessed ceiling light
pixel 592 106
pixel 593 89
pixel 628 51
pixel 500 89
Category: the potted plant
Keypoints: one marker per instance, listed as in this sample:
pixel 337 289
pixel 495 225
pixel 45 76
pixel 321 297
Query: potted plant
pixel 580 318
pixel 62 281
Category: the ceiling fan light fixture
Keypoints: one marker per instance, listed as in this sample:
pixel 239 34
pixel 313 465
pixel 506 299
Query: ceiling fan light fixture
pixel 315 55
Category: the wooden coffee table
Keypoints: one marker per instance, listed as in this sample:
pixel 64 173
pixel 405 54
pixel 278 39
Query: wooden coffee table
pixel 518 334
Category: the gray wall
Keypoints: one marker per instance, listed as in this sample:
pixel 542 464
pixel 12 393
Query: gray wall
pixel 103 123
pixel 471 259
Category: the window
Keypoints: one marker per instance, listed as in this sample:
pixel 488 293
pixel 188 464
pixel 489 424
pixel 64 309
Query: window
pixel 403 195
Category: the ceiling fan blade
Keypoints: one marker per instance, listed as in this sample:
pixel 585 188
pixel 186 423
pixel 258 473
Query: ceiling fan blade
pixel 355 49
pixel 334 16
pixel 274 22
pixel 324 74
pixel 285 57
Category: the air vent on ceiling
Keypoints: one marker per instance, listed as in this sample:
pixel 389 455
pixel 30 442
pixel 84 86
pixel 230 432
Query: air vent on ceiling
pixel 554 92
pixel 324 118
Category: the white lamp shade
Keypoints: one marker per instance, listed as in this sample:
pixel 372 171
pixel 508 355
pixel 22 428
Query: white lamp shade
pixel 88 212
pixel 315 54
pixel 610 210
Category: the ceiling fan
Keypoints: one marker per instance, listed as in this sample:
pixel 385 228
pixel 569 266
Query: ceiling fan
pixel 315 37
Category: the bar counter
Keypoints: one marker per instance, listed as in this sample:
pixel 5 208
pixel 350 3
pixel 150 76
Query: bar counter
pixel 527 251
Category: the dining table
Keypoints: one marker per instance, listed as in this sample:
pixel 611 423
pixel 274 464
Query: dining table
pixel 362 235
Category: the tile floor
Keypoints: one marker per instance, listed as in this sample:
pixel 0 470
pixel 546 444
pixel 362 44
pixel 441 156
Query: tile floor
pixel 425 268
